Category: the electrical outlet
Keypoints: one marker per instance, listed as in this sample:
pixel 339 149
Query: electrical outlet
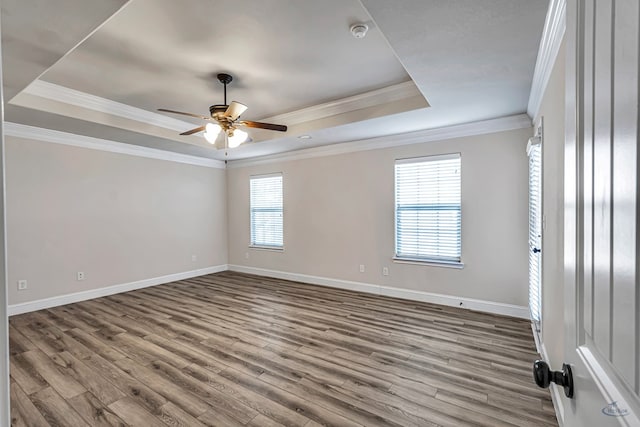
pixel 246 255
pixel 385 271
pixel 194 258
pixel 80 275
pixel 22 285
pixel 361 268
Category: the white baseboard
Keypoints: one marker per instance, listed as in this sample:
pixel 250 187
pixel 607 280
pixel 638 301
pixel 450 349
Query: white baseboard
pixel 536 338
pixel 449 300
pixel 556 391
pixel 41 304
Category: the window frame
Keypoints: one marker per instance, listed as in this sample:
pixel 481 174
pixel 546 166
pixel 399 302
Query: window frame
pixel 436 262
pixel 252 244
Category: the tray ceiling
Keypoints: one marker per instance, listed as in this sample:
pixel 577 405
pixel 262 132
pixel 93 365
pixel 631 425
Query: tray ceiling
pixel 113 63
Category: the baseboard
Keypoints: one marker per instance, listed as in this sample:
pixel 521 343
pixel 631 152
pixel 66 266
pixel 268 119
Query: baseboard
pixel 449 300
pixel 536 338
pixel 556 392
pixel 41 304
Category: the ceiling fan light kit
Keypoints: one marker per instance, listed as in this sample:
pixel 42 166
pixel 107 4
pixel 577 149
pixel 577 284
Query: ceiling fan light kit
pixel 211 131
pixel 224 118
pixel 236 138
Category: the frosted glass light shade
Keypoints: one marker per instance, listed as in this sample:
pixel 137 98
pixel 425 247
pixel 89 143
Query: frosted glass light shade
pixel 211 132
pixel 238 137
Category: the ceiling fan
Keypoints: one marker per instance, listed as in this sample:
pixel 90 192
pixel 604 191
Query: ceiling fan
pixel 224 117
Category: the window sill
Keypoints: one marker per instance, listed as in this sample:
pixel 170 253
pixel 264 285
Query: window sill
pixel 445 264
pixel 267 248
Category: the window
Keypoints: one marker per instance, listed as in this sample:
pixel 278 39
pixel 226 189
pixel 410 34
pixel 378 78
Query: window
pixel 266 211
pixel 428 213
pixel 534 149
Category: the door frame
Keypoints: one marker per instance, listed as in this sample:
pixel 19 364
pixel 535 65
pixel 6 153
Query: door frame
pixel 5 412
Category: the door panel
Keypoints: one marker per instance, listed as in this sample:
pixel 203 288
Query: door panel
pixel 625 155
pixel 601 215
pixel 587 164
pixel 601 176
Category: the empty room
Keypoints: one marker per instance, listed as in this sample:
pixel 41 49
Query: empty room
pixel 320 213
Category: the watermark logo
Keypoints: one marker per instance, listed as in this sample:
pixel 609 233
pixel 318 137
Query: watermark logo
pixel 613 410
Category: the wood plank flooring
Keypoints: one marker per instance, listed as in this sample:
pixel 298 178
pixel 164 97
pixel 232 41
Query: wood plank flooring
pixel 231 349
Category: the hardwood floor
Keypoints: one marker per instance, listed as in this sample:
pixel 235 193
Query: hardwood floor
pixel 231 349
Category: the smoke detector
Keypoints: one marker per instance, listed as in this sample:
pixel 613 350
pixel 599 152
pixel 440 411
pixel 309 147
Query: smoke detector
pixel 359 30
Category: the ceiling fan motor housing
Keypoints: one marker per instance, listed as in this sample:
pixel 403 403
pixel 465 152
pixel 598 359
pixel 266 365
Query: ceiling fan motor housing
pixel 218 109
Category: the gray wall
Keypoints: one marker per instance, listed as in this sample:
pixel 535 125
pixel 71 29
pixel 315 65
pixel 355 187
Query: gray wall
pixel 339 213
pixel 118 218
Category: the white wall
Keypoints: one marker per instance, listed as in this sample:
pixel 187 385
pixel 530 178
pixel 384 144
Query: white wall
pixel 116 217
pixel 552 109
pixel 339 213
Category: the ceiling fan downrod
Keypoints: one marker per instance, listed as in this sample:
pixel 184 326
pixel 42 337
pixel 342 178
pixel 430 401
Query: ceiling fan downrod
pixel 225 79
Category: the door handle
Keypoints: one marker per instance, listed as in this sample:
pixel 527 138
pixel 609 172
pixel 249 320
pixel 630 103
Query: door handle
pixel 544 376
pixel 536 250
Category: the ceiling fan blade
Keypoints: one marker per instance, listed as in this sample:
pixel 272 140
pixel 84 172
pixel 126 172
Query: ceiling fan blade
pixel 261 125
pixel 184 114
pixel 192 131
pixel 235 109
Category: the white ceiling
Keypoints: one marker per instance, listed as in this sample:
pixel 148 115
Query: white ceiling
pixel 294 63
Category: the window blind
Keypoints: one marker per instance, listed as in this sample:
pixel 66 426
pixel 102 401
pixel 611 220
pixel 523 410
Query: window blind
pixel 428 208
pixel 266 210
pixel 535 231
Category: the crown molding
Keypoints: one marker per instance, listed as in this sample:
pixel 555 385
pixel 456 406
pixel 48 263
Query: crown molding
pixel 520 121
pixel 80 99
pixel 372 98
pixel 552 35
pixel 48 135
pixel 74 97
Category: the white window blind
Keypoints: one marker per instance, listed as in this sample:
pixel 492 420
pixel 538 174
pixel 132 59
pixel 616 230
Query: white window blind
pixel 266 210
pixel 428 209
pixel 535 230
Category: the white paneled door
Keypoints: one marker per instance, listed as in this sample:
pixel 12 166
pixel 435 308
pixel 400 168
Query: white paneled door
pixel 601 213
